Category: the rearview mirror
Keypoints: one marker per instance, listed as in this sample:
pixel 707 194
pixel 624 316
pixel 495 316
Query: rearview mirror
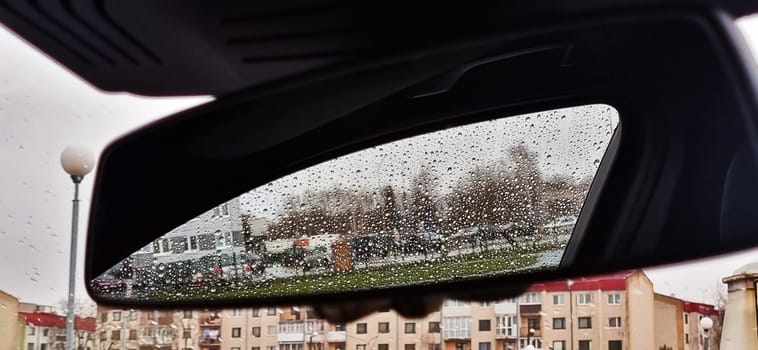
pixel 493 198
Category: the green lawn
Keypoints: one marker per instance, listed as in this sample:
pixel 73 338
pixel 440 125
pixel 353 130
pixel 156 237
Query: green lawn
pixel 428 271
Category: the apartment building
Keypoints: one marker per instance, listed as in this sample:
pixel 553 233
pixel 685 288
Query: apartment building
pixel 694 339
pixel 137 330
pixel 11 325
pixel 484 325
pixel 249 329
pixel 47 331
pixel 388 330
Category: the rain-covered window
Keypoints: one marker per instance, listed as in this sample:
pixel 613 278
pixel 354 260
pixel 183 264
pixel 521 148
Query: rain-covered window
pixel 496 197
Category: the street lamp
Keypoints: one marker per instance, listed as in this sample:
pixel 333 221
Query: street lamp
pixel 310 341
pixel 569 284
pixel 706 324
pixel 77 162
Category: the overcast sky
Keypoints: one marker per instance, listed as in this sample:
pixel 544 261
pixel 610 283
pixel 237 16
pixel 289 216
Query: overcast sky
pixel 44 108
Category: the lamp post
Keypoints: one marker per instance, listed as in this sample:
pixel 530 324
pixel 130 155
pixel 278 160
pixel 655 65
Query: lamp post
pixel 77 162
pixel 310 341
pixel 529 336
pixel 569 284
pixel 706 324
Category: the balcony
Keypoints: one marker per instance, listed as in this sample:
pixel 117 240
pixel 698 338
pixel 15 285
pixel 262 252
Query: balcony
pixel 456 333
pixel 506 332
pixel 210 342
pixel 524 332
pixel 336 336
pixel 504 308
pixel 301 331
pixel 530 309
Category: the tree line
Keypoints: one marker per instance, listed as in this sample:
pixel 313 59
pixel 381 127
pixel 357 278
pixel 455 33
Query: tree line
pixel 513 190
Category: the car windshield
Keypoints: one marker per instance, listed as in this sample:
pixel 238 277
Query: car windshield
pixel 44 108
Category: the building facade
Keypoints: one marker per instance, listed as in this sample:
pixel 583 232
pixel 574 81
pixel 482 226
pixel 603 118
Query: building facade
pixel 612 312
pixel 47 331
pixel 11 327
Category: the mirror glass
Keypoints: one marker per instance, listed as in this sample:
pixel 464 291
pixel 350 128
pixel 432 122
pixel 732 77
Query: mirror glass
pixel 492 198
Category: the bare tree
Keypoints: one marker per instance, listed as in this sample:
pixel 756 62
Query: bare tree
pixel 82 307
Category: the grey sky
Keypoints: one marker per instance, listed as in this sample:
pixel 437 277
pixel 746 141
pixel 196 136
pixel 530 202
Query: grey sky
pixel 44 108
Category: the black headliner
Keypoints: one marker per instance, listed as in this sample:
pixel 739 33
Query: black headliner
pixel 195 47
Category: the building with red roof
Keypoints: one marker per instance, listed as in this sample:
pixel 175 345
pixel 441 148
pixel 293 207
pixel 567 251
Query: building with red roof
pixel 47 331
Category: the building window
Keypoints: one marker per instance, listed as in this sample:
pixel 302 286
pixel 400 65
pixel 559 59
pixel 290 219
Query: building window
pixel 162 246
pixel 235 348
pixel 151 315
pixel 255 348
pixel 614 345
pixel 485 346
pixel 456 327
pixel 116 335
pixel 410 347
pixel 271 347
pixel 256 312
pixel 614 299
pixel 104 317
pixel 531 298
pixel 236 312
pixel 132 334
pixel 460 346
pixel 410 327
pixel 216 211
pixel 384 347
pixel 384 327
pixel 271 311
pixel 256 331
pixel 225 209
pixel 585 345
pixel 29 346
pixel 361 328
pixel 585 322
pixel 484 304
pixel 686 319
pixel 559 345
pixel 236 332
pixel 31 331
pixel 117 315
pixel 506 325
pixel 271 330
pixel 223 239
pixel 614 322
pixel 456 303
pixel 187 334
pixel 360 347
pixel 187 314
pixel 339 327
pixel 132 315
pixel 559 299
pixel 533 323
pixel 192 243
pixel 103 335
pixel 559 323
pixel 434 347
pixel 583 298
pixel 484 325
pixel 434 327
pixel 45 332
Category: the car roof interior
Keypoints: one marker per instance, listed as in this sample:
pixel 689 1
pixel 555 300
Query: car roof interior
pixel 301 82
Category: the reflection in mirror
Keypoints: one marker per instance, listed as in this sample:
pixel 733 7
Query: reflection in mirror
pixel 492 198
